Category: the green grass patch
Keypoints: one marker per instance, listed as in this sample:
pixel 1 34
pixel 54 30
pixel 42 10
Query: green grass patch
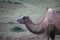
pixel 16 3
pixel 17 29
pixel 10 2
pixel 2 1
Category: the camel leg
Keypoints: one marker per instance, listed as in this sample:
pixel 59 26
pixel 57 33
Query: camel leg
pixel 50 32
pixel 52 35
pixel 47 36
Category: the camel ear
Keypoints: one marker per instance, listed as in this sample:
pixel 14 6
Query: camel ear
pixel 27 16
pixel 47 8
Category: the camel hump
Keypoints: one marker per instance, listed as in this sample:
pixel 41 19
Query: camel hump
pixel 53 11
pixel 50 10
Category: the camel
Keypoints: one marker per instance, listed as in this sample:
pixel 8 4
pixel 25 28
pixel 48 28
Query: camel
pixel 49 24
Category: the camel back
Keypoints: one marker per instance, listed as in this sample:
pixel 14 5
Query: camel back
pixel 53 16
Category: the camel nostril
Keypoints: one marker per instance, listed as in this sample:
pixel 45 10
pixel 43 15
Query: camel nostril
pixel 17 20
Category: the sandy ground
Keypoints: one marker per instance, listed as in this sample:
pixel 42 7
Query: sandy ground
pixel 28 37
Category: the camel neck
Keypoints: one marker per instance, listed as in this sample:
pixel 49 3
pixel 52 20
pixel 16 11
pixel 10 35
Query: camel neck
pixel 29 23
pixel 34 28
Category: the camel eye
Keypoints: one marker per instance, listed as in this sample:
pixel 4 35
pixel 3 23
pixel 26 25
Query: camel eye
pixel 24 18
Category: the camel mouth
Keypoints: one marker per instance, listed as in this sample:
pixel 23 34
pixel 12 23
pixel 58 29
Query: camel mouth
pixel 18 21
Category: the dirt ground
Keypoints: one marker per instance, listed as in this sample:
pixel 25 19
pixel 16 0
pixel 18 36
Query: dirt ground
pixel 28 37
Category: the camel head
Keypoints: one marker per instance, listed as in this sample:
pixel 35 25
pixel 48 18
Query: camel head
pixel 23 19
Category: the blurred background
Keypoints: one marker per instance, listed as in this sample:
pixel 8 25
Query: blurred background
pixel 10 10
